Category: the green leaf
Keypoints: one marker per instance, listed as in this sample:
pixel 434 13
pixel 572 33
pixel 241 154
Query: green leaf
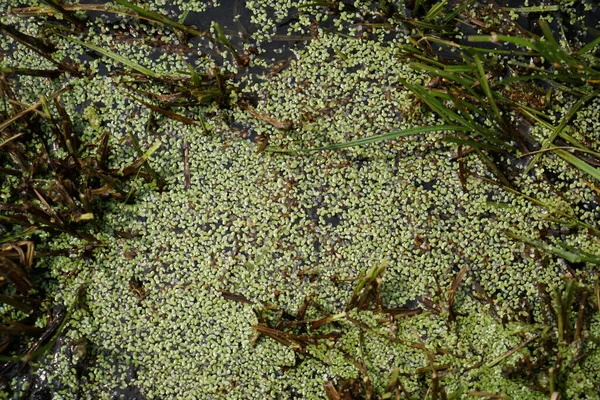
pixel 123 60
pixel 578 163
pixel 373 139
pixel 569 253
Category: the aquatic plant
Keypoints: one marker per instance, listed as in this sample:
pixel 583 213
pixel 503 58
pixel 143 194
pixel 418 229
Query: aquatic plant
pixel 53 184
pixel 260 275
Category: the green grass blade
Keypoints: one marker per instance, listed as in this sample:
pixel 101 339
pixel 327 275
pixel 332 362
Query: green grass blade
pixel 436 105
pixel 66 14
pixel 450 116
pixel 492 167
pixel 203 124
pixel 563 123
pixel 504 38
pixel 183 17
pixel 470 143
pixel 578 163
pixel 483 81
pixel 532 9
pixel 589 47
pixel 222 38
pixel 465 82
pixel 118 58
pixel 459 68
pixel 159 18
pixel 571 148
pixel 458 10
pixel 574 256
pixel 374 139
pixel 435 10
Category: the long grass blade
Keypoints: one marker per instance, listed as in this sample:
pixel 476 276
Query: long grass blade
pixel 483 81
pixel 578 163
pixel 374 139
pixel 589 47
pixel 119 58
pixel 561 126
pixel 159 18
pixel 573 255
pixel 435 10
pixel 458 10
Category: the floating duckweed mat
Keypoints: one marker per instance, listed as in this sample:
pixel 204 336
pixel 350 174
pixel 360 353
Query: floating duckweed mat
pixel 399 269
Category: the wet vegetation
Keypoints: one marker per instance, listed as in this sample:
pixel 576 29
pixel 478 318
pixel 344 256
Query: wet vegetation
pixel 53 184
pixel 503 85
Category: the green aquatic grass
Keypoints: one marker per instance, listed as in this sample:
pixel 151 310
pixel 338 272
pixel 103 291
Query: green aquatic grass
pixel 221 37
pixel 66 14
pixel 471 75
pixel 292 246
pixel 50 73
pixel 117 57
pixel 569 253
pixel 574 67
pixel 533 9
pixel 435 10
pixel 579 163
pixel 372 139
pixel 566 119
pixel 160 18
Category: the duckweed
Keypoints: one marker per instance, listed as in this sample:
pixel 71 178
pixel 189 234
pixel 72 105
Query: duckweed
pixel 277 229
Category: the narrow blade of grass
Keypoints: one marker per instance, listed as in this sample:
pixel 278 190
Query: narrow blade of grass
pixel 203 124
pixel 563 123
pixel 495 170
pixel 572 148
pixel 50 73
pixel 562 212
pixel 140 160
pixel 573 255
pixel 123 60
pixel 510 352
pixel 483 81
pixel 470 143
pixel 589 47
pixel 579 163
pixel 549 49
pixel 450 116
pixel 183 17
pixel 159 18
pixel 533 9
pixel 27 40
pixel 495 38
pixel 458 10
pixel 373 139
pixel 222 38
pixel 159 181
pixel 66 14
pixel 435 10
pixel 9 121
pixel 167 113
pixel 465 82
pixel 10 139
